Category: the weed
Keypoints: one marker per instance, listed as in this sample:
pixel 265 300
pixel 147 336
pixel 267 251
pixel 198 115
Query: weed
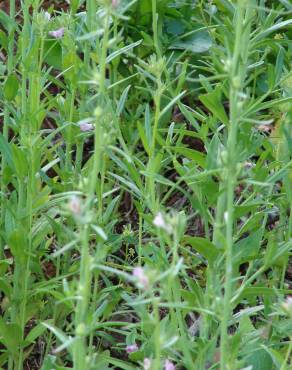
pixel 145 184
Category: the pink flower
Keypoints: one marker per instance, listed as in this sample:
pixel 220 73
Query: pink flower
pixel 142 278
pixel 57 34
pixel 132 348
pixel 160 222
pixel 115 3
pixel 168 365
pixel 147 364
pixel 85 126
pixel 75 205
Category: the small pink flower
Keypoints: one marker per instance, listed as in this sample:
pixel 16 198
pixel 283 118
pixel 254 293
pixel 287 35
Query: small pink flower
pixel 168 365
pixel 115 3
pixel 142 278
pixel 160 222
pixel 75 205
pixel 147 364
pixel 85 126
pixel 57 34
pixel 132 348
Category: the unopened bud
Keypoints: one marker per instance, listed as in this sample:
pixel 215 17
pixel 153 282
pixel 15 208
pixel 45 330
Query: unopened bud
pixel 98 112
pixel 80 330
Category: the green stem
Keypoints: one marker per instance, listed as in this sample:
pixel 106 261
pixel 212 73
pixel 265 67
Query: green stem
pixel 94 298
pixel 80 349
pixel 179 316
pixel 174 283
pixel 115 65
pixel 10 64
pixel 237 77
pixel 21 273
pixel 70 132
pixel 155 28
pixel 157 101
pixel 140 239
pixel 80 346
pixel 157 336
pixel 151 181
pixel 90 18
pixel 24 48
pixel 79 157
pixel 102 68
pixel 219 217
pixel 30 105
pixel 285 364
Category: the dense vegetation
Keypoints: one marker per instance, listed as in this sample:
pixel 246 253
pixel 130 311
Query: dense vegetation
pixel 146 184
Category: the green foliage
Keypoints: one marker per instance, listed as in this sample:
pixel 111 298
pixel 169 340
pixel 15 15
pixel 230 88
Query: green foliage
pixel 146 171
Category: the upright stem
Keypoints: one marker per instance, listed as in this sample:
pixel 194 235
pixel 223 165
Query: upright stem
pixel 90 17
pixel 157 335
pixel 80 346
pixel 102 67
pixel 6 110
pixel 72 96
pixel 69 137
pixel 31 102
pixel 140 239
pixel 157 100
pixel 219 217
pixel 24 48
pixel 20 278
pixel 155 28
pixel 80 350
pixel 237 77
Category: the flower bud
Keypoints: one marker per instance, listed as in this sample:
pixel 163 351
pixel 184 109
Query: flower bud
pixel 98 112
pixel 80 330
